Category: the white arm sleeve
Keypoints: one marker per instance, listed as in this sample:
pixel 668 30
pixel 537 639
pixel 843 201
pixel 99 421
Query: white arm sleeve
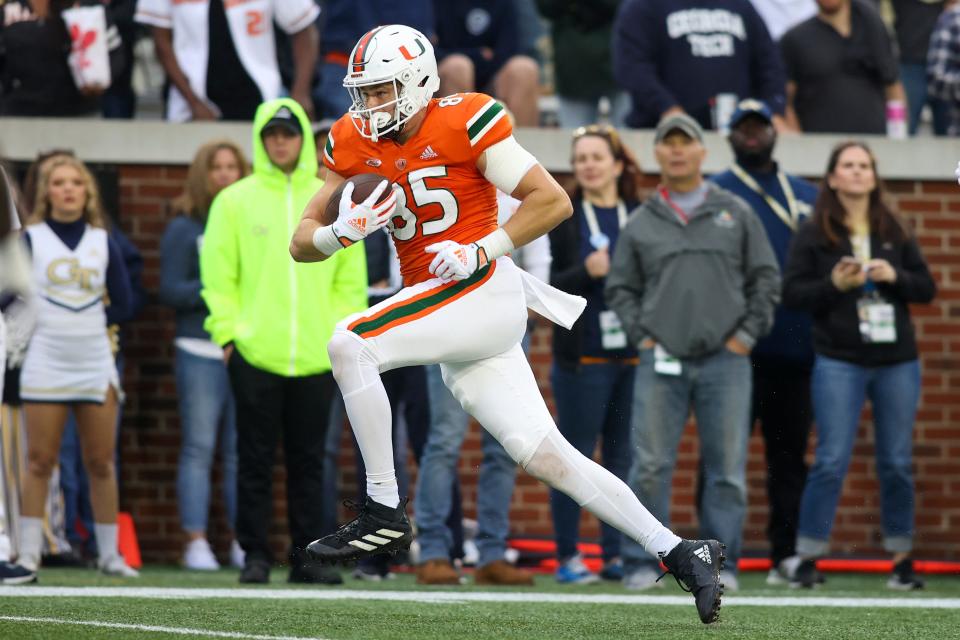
pixel 507 163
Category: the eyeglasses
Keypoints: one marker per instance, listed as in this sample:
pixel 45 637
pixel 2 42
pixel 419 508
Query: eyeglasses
pixel 601 130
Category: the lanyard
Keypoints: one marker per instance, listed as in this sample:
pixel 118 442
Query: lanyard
pixel 791 215
pixel 591 215
pixel 681 214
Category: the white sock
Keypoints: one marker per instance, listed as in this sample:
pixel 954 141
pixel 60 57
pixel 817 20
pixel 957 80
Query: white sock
pixel 31 542
pixel 106 540
pixel 603 494
pixel 384 488
pixel 368 407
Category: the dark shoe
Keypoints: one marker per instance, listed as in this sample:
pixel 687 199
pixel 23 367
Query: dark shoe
pixel 314 573
pixel 437 572
pixel 374 569
pixel 377 529
pixel 255 572
pixel 11 574
pixel 806 576
pixel 904 578
pixel 696 566
pixel 612 570
pixel 502 573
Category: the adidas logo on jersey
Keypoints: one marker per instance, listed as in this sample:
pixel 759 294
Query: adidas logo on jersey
pixel 428 153
pixel 371 542
pixel 704 554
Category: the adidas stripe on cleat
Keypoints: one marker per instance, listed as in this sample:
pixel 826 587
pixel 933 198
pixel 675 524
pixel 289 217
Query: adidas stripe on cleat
pixel 377 529
pixel 696 566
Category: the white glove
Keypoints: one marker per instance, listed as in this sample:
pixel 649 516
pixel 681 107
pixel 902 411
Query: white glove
pixel 455 261
pixel 356 221
pixel 956 172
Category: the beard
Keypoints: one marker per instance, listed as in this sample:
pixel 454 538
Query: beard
pixel 754 158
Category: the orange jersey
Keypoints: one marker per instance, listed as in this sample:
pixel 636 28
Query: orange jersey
pixel 444 196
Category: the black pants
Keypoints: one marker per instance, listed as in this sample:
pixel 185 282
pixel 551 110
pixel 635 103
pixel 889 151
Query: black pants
pixel 269 407
pixel 781 402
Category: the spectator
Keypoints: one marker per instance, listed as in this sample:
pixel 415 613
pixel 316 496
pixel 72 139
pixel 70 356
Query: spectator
pixel 694 56
pixel 438 534
pixel 220 56
pixel 479 49
pixel 914 23
pixel 856 267
pixel 273 319
pixel 207 410
pixel 841 71
pixel 943 64
pixel 69 363
pixel 14 280
pixel 593 364
pixel 341 25
pixel 781 15
pixel 34 46
pixel 782 360
pixel 120 100
pixel 694 282
pixel 581 57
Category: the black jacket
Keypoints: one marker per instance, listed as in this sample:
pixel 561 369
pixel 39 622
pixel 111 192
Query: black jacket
pixel 568 273
pixel 836 331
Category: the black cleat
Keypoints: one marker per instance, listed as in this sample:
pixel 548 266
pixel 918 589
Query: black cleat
pixel 377 529
pixel 696 566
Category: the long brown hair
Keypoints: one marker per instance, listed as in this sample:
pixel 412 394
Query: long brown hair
pixel 196 197
pixel 829 214
pixel 92 209
pixel 627 182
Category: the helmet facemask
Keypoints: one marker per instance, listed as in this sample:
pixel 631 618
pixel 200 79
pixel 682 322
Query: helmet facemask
pixel 393 54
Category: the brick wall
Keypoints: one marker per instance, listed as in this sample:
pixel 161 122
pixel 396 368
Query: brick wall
pixel 150 437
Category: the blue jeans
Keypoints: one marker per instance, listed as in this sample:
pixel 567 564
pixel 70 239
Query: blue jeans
pixel 76 489
pixel 839 390
pixel 914 78
pixel 206 410
pixel 438 471
pixel 592 402
pixel 718 387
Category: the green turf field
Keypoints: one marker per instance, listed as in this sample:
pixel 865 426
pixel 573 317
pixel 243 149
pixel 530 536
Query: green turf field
pixel 212 605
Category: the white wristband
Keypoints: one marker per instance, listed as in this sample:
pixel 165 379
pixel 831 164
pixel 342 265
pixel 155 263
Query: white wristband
pixel 326 241
pixel 496 244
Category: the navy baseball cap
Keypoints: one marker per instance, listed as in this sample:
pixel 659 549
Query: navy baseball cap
pixel 750 107
pixel 285 119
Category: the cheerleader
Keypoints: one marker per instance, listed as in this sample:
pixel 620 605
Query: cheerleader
pixel 69 363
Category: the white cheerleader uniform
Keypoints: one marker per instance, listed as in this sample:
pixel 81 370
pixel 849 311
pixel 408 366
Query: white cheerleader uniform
pixel 69 357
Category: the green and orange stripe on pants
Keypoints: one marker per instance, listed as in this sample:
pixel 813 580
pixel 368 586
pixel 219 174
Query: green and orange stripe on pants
pixel 420 305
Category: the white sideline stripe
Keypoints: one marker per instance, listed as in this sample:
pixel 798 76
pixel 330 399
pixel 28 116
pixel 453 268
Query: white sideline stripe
pixel 153 593
pixel 179 631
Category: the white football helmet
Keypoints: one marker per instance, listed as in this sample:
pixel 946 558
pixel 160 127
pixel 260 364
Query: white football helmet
pixel 398 54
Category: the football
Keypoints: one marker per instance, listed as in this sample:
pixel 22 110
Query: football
pixel 363 186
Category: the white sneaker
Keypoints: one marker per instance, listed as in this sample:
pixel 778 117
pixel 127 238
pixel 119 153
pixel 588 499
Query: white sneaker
pixel 777 578
pixel 729 581
pixel 117 566
pixel 237 556
pixel 642 580
pixel 199 557
pixel 29 562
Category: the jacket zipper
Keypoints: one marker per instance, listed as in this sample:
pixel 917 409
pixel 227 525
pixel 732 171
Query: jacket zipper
pixel 291 269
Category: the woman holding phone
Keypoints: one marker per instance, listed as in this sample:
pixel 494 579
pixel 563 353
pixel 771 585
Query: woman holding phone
pixel 856 267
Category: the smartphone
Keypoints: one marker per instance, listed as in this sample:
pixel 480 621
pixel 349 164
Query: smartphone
pixel 851 263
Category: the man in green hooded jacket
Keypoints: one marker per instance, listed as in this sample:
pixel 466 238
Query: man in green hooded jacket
pixel 273 317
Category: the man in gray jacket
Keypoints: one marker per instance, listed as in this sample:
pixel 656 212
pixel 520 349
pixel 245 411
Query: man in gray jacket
pixel 694 282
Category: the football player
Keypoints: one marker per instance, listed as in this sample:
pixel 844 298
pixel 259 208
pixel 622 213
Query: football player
pixel 464 303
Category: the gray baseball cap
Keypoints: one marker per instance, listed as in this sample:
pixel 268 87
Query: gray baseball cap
pixel 678 122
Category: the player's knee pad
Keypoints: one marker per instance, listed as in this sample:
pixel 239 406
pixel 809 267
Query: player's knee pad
pixel 352 360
